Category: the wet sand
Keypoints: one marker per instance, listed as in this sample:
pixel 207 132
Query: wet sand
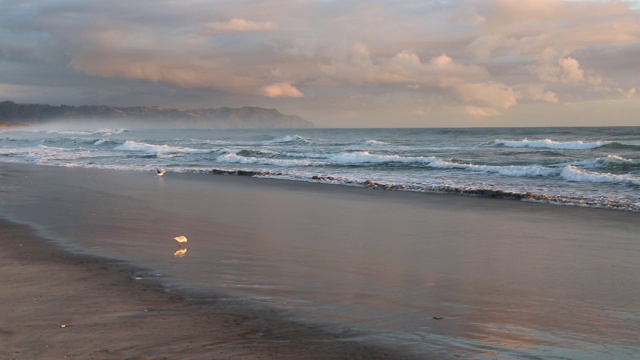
pixel 511 279
pixel 58 305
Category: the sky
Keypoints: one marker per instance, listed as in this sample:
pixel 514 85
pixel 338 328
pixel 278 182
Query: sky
pixel 374 63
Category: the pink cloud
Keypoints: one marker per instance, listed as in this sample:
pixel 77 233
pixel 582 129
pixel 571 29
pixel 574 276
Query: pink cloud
pixel 280 90
pixel 239 25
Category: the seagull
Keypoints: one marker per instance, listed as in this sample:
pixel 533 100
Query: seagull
pixel 180 240
pixel 160 172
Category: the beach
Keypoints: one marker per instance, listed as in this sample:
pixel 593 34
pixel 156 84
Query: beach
pixel 62 306
pixel 282 269
pixel 59 304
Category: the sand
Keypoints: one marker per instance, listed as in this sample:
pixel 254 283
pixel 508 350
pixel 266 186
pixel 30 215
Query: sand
pixel 509 278
pixel 57 305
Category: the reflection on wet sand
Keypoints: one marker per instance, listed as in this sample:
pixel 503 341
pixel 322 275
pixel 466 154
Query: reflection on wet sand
pixel 180 252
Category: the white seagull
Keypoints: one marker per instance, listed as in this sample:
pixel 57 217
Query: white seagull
pixel 181 240
pixel 160 172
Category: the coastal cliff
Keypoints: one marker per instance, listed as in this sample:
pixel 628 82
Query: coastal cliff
pixel 12 113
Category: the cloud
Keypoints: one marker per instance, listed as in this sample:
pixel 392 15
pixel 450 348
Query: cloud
pixel 239 25
pixel 494 94
pixel 281 90
pixel 480 58
pixel 466 83
pixel 538 93
pixel 571 71
pixel 480 112
pixel 630 93
pixel 418 112
pixel 405 67
pixel 191 62
pixel 441 60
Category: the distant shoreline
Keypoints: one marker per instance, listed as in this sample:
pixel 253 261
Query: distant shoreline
pixel 12 125
pixel 224 117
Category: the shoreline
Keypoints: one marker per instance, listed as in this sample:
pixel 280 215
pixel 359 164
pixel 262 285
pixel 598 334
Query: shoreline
pixel 444 190
pixel 77 306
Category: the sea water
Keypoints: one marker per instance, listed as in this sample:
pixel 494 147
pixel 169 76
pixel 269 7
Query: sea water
pixel 594 167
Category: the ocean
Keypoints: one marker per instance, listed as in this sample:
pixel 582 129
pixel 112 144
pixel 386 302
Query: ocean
pixel 593 167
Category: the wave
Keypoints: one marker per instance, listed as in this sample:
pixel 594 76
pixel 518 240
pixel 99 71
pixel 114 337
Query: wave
pixel 152 149
pixel 621 146
pixel 365 157
pixel 249 153
pixel 288 139
pixel 504 170
pixel 105 132
pixel 576 174
pixel 238 159
pixel 285 140
pixel 550 144
pixel 295 140
pixel 375 142
pixel 102 142
pixel 611 162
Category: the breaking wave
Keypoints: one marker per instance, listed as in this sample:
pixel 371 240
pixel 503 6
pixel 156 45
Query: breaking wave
pixel 550 144
pixel 105 132
pixel 237 159
pixel 297 139
pixel 152 149
pixel 576 174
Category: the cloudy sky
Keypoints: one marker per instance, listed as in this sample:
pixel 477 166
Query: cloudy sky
pixel 374 63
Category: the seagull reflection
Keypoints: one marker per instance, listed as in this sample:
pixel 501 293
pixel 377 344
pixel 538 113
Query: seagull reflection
pixel 180 252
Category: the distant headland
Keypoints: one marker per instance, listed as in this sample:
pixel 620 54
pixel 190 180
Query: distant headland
pixel 14 114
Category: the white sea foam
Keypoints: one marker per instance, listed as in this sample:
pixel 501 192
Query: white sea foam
pixel 238 159
pixel 288 139
pixel 576 174
pixel 375 142
pixel 143 147
pixel 70 132
pixel 508 170
pixel 88 132
pixel 602 162
pixel 519 171
pixel 551 144
pixel 365 157
pixel 617 159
